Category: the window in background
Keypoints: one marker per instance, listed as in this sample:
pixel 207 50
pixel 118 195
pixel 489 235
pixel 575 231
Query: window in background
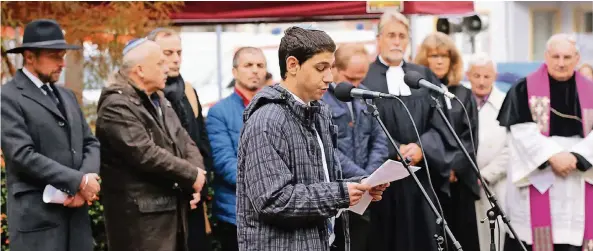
pixel 583 19
pixel 544 23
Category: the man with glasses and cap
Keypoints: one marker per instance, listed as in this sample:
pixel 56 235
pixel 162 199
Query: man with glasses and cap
pixel 46 141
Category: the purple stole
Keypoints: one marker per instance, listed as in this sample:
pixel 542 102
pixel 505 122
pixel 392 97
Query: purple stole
pixel 538 91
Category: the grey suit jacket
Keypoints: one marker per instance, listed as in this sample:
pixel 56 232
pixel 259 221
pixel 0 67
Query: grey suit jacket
pixel 41 146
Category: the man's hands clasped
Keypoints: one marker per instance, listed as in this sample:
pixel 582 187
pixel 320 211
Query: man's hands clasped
pixel 563 163
pixel 198 185
pixel 89 188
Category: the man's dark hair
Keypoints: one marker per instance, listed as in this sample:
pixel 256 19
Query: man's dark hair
pixel 303 44
pixel 35 51
pixel 268 76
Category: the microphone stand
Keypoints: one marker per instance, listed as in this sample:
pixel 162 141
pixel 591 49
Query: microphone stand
pixel 495 211
pixel 440 220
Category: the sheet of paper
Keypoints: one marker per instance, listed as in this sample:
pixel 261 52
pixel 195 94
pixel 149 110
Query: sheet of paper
pixel 390 171
pixel 542 180
pixel 362 205
pixel 53 195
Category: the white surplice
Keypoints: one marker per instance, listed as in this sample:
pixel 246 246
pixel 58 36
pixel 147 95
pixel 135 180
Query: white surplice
pixel 529 149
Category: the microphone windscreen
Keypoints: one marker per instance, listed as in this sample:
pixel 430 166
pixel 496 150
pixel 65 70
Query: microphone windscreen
pixel 412 79
pixel 342 91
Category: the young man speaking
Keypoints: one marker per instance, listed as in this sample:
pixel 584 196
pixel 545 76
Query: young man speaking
pixel 289 188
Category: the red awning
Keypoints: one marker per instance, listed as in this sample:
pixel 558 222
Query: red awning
pixel 260 11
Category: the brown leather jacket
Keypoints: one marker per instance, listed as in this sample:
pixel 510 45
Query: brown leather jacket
pixel 148 166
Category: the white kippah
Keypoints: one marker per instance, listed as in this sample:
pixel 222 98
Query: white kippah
pixel 133 44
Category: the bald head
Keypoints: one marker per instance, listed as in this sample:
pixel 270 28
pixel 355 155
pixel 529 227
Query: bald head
pixel 562 56
pixel 352 63
pixel 137 55
pixel 145 65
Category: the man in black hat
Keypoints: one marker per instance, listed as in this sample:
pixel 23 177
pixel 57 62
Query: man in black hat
pixel 47 144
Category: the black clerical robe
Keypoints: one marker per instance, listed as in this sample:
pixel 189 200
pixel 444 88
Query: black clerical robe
pixel 403 220
pixel 515 110
pixel 459 204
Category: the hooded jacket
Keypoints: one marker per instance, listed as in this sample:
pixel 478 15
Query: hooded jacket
pixel 283 200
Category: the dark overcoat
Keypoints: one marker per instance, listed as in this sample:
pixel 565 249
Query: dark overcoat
pixel 149 164
pixel 43 146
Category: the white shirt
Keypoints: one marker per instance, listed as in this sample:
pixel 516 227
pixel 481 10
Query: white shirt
pixel 395 79
pixel 325 168
pixel 36 80
pixel 447 101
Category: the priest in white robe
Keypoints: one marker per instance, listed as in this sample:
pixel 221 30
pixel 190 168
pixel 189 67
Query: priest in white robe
pixel 549 117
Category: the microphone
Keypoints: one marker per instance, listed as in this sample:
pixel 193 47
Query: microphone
pixel 346 92
pixel 415 80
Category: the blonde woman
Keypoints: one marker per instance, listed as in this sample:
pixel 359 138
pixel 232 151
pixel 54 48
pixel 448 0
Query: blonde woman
pixel 438 52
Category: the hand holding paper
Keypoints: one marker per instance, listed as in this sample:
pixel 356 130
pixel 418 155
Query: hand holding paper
pixel 355 192
pixel 377 191
pixel 76 201
pixel 53 195
pixel 390 171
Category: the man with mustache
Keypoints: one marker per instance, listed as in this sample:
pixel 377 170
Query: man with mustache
pixel 224 123
pixel 46 141
pixel 403 220
pixel 549 120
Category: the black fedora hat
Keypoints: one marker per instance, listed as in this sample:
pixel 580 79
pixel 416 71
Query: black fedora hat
pixel 43 34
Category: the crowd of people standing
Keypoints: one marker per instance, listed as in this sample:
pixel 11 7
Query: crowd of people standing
pixel 288 158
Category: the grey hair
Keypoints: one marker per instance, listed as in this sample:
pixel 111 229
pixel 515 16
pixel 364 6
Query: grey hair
pixel 135 55
pixel 164 32
pixel 242 50
pixel 390 16
pixel 562 37
pixel 126 66
pixel 480 59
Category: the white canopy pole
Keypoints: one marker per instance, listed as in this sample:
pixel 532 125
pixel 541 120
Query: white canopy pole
pixel 219 59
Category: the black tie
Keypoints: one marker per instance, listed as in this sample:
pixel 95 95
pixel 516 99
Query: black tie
pixel 54 98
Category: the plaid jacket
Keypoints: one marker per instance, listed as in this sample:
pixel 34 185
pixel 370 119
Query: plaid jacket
pixel 283 201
